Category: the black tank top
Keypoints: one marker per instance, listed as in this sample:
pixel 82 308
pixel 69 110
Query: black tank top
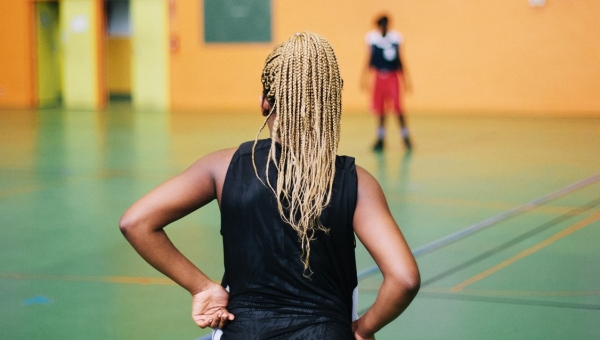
pixel 269 296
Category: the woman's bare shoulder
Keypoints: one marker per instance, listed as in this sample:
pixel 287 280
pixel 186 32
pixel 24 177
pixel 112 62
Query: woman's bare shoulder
pixel 370 196
pixel 223 155
pixel 365 179
pixel 215 162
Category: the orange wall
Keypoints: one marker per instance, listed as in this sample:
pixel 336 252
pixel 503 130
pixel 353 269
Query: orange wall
pixel 17 54
pixel 16 63
pixel 210 76
pixel 462 55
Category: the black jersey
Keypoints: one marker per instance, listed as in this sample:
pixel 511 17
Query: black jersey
pixel 384 50
pixel 269 296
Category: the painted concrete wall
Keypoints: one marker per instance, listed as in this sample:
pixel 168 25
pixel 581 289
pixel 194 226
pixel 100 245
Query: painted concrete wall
pixel 48 59
pixel 211 76
pixel 150 76
pixel 17 84
pixel 462 55
pixel 82 82
pixel 78 21
pixel 118 65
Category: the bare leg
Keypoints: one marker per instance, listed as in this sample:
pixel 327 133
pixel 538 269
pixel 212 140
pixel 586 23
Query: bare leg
pixel 404 132
pixel 380 134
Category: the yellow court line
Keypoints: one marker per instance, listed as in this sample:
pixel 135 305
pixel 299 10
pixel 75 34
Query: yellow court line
pixel 69 181
pixel 513 293
pixel 530 293
pixel 527 252
pixel 19 191
pixel 103 279
pixel 33 188
pixel 496 293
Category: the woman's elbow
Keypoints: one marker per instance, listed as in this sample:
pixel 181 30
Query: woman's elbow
pixel 409 281
pixel 413 283
pixel 127 224
pixel 137 223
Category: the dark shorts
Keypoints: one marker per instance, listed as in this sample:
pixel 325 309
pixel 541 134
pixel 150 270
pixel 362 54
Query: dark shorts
pixel 253 324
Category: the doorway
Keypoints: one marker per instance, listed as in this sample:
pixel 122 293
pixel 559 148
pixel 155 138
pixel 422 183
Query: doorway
pixel 48 59
pixel 118 50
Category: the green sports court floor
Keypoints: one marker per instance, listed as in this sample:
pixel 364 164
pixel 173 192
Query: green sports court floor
pixel 503 213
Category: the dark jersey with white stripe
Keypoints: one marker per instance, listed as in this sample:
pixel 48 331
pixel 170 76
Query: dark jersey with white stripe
pixel 385 50
pixel 269 296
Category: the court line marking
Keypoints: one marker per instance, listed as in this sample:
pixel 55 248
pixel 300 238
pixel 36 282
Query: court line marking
pixel 19 191
pixel 499 293
pixel 472 203
pixel 103 279
pixel 361 275
pixel 53 184
pixel 103 174
pixel 444 241
pixel 561 234
pixel 521 293
pixel 516 240
pixel 512 301
pixel 501 296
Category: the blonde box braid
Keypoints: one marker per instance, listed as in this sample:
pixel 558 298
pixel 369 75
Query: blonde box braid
pixel 301 81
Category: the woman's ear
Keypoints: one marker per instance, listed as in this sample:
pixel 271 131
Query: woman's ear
pixel 265 107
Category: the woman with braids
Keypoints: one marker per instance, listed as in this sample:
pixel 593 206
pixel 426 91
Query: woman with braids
pixel 290 210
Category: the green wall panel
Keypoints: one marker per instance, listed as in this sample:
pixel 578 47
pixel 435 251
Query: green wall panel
pixel 238 21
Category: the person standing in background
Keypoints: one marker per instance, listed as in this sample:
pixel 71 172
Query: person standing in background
pixel 384 47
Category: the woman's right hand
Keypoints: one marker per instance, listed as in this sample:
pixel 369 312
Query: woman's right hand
pixel 209 307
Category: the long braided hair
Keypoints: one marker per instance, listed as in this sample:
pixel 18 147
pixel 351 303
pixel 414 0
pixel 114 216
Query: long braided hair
pixel 301 81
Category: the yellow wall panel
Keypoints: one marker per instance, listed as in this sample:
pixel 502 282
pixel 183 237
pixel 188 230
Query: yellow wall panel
pixel 150 76
pixel 80 53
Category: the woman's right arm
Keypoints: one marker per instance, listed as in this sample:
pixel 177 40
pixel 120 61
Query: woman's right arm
pixel 143 223
pixel 381 236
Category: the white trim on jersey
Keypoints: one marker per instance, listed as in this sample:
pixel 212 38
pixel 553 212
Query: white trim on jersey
pixel 355 304
pixel 375 38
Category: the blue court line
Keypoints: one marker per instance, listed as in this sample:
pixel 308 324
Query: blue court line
pixel 444 241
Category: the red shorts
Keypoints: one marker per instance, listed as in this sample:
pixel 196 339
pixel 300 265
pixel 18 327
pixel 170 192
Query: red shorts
pixel 386 90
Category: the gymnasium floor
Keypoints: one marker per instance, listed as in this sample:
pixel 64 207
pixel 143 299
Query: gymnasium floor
pixel 503 213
